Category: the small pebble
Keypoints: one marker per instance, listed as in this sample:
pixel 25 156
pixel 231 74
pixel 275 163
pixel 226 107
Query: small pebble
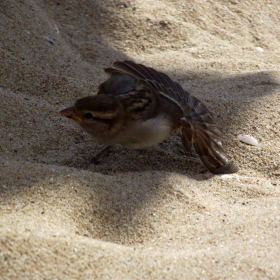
pixel 49 39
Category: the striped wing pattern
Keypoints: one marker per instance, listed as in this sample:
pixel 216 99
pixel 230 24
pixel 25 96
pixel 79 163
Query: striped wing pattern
pixel 198 128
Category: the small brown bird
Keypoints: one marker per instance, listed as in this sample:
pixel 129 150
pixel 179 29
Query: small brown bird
pixel 138 107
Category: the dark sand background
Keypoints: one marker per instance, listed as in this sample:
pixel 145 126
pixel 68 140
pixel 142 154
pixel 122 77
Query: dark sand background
pixel 152 213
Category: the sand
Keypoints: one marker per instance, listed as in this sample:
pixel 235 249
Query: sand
pixel 147 214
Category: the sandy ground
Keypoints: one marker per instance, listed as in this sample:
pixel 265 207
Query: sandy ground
pixel 152 213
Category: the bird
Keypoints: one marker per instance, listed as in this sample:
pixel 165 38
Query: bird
pixel 138 107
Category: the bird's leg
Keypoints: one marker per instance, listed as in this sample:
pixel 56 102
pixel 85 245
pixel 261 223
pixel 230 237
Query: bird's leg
pixel 105 151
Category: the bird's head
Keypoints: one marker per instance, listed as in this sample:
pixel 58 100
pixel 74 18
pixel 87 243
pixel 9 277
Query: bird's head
pixel 95 114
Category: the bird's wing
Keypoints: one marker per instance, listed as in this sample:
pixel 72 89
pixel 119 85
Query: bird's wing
pixel 197 126
pixel 140 104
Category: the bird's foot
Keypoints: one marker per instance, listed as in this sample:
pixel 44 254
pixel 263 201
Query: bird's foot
pixel 96 157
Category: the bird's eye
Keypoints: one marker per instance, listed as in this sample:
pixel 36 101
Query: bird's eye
pixel 88 116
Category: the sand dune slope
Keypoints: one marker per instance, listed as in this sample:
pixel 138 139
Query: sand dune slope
pixel 151 213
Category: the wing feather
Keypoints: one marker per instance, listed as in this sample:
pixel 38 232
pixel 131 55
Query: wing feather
pixel 198 127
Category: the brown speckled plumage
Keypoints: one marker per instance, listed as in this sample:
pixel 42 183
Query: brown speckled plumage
pixel 138 107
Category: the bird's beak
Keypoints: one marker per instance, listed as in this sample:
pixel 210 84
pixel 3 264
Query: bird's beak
pixel 70 114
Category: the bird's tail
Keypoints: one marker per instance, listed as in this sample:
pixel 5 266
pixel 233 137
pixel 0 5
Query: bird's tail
pixel 200 130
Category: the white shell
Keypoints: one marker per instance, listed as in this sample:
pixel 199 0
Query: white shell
pixel 260 49
pixel 248 139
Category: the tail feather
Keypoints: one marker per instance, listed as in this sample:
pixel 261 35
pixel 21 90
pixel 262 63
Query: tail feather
pixel 207 143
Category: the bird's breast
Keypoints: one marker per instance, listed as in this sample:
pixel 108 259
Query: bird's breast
pixel 147 133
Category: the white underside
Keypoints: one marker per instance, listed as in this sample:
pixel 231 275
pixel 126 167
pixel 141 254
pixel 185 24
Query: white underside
pixel 148 133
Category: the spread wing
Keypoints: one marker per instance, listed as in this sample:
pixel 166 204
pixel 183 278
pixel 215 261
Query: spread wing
pixel 197 126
